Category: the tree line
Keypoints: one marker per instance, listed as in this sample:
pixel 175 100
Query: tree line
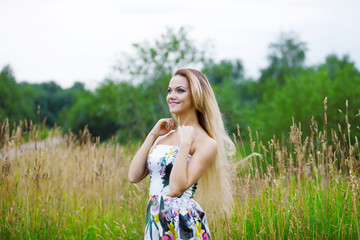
pixel 127 105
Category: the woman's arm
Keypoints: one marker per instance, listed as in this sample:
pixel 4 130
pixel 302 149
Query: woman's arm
pixel 184 174
pixel 138 168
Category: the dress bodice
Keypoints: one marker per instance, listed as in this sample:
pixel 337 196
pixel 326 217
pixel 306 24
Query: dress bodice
pixel 160 162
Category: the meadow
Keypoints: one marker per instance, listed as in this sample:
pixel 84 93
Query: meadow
pixel 56 185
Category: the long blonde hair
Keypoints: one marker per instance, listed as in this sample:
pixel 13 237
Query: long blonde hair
pixel 215 185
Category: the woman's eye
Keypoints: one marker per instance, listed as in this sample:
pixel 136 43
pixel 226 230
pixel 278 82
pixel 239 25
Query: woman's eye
pixel 169 91
pixel 181 90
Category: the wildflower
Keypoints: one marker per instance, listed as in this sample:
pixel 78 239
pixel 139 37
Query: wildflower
pixel 168 237
pixel 205 236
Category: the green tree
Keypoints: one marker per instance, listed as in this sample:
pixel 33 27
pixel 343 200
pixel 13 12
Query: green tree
pixel 120 109
pixel 79 114
pixel 286 58
pixel 302 96
pixel 15 102
pixel 152 60
pixel 217 73
pixel 46 99
pixel 52 99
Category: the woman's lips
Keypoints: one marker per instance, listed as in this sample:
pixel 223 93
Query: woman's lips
pixel 173 103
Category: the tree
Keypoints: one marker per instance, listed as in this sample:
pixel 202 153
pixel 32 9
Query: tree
pixel 302 97
pixel 155 59
pixel 15 102
pixel 225 69
pixel 52 99
pixel 286 57
pixel 79 114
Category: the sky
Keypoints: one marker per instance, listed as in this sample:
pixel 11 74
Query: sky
pixel 80 40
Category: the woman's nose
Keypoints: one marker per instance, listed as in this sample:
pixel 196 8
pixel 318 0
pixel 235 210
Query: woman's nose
pixel 171 94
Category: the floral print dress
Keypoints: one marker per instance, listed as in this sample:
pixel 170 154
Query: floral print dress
pixel 171 217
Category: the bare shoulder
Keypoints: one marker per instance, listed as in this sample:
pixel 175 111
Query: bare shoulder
pixel 206 144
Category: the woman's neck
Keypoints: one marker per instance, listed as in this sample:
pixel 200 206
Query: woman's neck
pixel 188 119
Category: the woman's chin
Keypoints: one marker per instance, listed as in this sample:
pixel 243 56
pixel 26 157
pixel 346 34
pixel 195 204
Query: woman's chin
pixel 173 111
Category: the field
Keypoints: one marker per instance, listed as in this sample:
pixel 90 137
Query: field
pixel 62 186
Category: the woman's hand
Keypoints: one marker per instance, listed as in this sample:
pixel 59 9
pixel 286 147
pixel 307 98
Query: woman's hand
pixel 163 126
pixel 186 134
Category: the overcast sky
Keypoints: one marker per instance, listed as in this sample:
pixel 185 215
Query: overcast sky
pixel 80 40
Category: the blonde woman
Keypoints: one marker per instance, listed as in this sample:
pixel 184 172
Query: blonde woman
pixel 178 159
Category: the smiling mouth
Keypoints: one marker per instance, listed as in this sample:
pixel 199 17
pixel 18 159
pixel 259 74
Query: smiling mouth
pixel 173 103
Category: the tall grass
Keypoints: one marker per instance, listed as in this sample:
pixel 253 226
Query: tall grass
pixel 74 188
pixel 303 187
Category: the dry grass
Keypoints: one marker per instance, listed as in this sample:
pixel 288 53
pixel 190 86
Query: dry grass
pixel 303 187
pixel 67 190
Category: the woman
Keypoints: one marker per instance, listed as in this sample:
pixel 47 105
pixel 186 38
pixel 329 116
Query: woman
pixel 177 160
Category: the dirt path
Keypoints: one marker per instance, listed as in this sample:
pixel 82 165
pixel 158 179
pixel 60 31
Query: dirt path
pixel 27 147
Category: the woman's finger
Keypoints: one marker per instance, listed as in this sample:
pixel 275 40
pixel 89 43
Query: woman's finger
pixel 170 123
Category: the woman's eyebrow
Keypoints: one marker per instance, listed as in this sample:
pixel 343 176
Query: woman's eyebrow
pixel 177 87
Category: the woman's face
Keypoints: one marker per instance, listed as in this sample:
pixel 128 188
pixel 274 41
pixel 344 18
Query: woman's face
pixel 179 96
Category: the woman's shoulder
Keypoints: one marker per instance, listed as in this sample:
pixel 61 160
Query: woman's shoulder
pixel 204 141
pixel 205 148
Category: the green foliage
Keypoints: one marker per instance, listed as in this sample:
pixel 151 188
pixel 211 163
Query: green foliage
pixel 15 102
pixel 217 73
pixel 34 102
pixel 286 57
pixel 79 114
pixel 52 99
pixel 301 97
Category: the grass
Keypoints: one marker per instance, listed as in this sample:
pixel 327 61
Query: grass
pixel 303 187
